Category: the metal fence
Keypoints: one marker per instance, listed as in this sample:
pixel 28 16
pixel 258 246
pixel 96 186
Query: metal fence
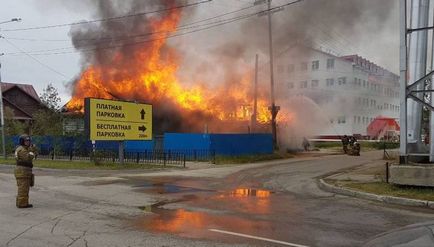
pixel 161 157
pixel 390 150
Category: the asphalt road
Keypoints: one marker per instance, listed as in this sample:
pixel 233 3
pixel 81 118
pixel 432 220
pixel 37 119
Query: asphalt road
pixel 268 204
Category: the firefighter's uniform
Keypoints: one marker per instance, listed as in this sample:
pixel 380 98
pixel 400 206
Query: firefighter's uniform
pixel 24 155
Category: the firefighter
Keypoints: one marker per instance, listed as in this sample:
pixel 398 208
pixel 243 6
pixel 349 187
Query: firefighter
pixel 345 142
pixel 306 144
pixel 24 155
pixel 355 149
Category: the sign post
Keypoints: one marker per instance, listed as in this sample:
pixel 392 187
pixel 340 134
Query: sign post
pixel 121 152
pixel 111 120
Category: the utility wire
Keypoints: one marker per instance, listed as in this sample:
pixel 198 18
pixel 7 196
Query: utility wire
pixel 181 27
pixel 35 59
pixel 215 24
pixel 184 27
pixel 106 19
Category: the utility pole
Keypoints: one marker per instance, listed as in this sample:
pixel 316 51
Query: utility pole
pixel 2 119
pixel 255 95
pixel 403 63
pixel 273 108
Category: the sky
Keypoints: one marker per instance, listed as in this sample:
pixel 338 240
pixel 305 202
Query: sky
pixel 378 42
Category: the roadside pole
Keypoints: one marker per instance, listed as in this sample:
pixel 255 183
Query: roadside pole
pixel 2 120
pixel 121 152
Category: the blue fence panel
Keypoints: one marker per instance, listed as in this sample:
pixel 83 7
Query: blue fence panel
pixel 139 146
pixel 241 144
pixel 193 146
pixel 178 141
pixel 106 146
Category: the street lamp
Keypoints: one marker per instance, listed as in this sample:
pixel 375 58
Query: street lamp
pixel 2 119
pixel 11 20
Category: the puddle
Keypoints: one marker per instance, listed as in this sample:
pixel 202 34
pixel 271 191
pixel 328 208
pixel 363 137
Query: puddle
pixel 243 192
pixel 165 188
pixel 201 212
pixel 196 224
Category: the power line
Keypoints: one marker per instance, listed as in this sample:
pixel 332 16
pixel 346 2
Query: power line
pixel 106 19
pixel 215 24
pixel 181 27
pixel 35 59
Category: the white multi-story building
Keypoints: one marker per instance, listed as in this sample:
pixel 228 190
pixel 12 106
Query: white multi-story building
pixel 350 91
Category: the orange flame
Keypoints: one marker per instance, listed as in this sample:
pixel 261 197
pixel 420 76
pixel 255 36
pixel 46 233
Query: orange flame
pixel 150 76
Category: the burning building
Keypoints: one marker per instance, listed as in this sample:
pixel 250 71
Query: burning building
pixel 125 67
pixel 136 59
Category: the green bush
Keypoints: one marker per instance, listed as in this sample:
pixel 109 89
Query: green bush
pixel 327 144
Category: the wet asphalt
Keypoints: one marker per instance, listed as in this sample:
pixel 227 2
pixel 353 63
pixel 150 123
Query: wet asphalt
pixel 258 205
pixel 279 202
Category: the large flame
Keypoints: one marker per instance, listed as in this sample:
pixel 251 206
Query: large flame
pixel 150 76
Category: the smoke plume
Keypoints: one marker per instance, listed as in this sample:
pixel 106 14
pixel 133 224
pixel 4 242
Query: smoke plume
pixel 221 59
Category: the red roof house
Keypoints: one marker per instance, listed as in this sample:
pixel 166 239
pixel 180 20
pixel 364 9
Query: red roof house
pixel 380 126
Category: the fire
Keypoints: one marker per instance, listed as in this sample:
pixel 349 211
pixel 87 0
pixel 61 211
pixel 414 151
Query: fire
pixel 149 76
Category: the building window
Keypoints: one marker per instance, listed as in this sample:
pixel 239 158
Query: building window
pixel 290 85
pixel 330 82
pixel 303 67
pixel 315 83
pixel 291 68
pixel 280 69
pixel 360 83
pixel 330 63
pixel 342 120
pixel 303 84
pixel 342 80
pixel 315 65
pixel 364 83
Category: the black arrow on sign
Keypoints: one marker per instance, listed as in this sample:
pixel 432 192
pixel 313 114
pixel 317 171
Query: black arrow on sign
pixel 142 128
pixel 142 113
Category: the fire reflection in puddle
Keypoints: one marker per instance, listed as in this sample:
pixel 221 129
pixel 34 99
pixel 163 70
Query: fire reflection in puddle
pixel 250 192
pixel 243 203
pixel 196 224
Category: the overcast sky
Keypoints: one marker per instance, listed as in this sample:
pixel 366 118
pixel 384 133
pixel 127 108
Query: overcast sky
pixel 379 47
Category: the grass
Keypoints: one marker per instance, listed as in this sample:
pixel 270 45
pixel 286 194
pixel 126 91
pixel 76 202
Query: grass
pixel 365 145
pixel 250 158
pixel 383 188
pixel 87 165
pixel 84 165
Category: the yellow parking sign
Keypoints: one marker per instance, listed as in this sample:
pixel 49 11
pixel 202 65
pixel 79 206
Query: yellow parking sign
pixel 113 120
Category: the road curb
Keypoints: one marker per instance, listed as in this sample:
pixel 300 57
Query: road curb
pixel 374 197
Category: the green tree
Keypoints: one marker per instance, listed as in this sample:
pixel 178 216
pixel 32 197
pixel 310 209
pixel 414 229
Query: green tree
pixel 50 97
pixel 48 120
pixel 12 126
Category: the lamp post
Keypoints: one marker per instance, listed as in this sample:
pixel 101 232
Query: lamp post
pixel 2 119
pixel 11 20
